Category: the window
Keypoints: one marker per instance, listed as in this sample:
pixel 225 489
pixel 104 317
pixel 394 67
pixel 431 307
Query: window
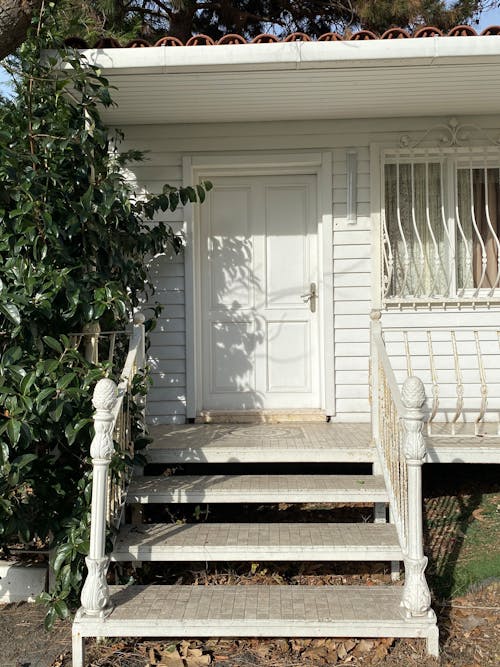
pixel 441 227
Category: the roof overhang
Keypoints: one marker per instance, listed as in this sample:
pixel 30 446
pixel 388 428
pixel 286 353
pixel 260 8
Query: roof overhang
pixel 303 80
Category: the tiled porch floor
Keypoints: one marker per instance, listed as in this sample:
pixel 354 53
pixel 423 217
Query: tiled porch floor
pixel 298 442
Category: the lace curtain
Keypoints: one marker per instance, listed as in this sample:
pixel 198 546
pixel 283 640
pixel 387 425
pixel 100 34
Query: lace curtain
pixel 416 245
pixel 424 257
pixel 478 194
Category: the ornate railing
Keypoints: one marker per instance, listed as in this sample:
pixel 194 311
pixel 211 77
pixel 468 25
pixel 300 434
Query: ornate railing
pixel 441 225
pixel 459 368
pixel 113 436
pixel 398 423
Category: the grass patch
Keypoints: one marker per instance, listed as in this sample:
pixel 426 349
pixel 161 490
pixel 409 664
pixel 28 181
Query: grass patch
pixel 462 538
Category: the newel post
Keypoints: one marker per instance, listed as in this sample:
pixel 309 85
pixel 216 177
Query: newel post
pixel 95 592
pixel 416 595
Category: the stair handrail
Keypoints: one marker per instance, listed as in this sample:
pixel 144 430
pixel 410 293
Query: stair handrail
pixel 398 422
pixel 112 424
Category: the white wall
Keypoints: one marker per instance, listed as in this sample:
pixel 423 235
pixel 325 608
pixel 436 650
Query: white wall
pixel 352 244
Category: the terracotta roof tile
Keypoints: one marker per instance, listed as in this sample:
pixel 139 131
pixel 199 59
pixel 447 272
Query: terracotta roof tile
pixel 462 31
pixel 395 33
pixel 265 38
pixel 360 35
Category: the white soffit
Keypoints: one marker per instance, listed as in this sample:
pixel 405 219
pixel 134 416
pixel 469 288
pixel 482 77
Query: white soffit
pixel 303 80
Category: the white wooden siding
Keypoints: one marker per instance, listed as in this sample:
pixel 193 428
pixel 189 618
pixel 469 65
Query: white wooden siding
pixel 352 247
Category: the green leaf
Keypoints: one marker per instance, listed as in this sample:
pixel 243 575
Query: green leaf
pixel 11 312
pixel 62 554
pixel 45 393
pixel 4 451
pixel 61 609
pixel 58 410
pixel 66 379
pixel 72 431
pixel 14 430
pixel 23 461
pixel 26 382
pixel 201 193
pixel 53 343
pixel 50 618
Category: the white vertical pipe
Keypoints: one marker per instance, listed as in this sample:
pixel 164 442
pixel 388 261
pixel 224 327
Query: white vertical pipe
pixel 352 186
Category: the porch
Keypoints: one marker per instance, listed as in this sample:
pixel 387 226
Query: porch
pixel 302 442
pixel 255 464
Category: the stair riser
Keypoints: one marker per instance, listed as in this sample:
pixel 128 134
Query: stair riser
pixel 300 554
pixel 227 628
pixel 183 456
pixel 361 496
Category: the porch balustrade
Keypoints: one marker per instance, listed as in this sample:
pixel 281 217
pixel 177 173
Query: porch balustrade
pixel 398 422
pixel 113 437
pixel 459 368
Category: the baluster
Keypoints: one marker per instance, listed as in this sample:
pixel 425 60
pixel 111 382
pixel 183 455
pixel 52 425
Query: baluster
pixel 416 598
pixel 92 331
pixel 139 319
pixel 95 592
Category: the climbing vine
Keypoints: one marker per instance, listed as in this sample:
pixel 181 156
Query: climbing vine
pixel 73 243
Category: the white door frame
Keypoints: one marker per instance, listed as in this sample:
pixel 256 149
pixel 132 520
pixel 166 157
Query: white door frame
pixel 202 167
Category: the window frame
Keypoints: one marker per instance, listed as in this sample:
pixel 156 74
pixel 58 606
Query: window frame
pixel 451 160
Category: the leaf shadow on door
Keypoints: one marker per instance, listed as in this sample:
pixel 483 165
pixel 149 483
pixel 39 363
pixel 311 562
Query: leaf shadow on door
pixel 237 331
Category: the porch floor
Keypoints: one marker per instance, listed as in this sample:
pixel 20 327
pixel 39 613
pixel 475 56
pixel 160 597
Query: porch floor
pixel 262 443
pixel 299 442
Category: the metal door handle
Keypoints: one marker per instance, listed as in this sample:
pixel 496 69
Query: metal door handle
pixel 311 296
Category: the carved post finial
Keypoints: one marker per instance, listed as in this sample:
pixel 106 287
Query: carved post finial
pixel 139 317
pixel 413 393
pixel 105 394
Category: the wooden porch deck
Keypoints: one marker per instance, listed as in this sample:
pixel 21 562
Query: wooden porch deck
pixel 299 442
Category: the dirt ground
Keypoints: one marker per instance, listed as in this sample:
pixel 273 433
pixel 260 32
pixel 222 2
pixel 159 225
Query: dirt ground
pixel 469 626
pixel 23 639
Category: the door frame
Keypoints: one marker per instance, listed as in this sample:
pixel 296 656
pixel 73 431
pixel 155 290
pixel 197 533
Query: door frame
pixel 202 167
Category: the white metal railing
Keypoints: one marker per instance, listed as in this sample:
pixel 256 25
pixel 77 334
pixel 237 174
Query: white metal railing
pixel 112 422
pixel 441 226
pixel 461 370
pixel 98 346
pixel 398 423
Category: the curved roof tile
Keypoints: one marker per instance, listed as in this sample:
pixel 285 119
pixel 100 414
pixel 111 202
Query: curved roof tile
pixel 265 38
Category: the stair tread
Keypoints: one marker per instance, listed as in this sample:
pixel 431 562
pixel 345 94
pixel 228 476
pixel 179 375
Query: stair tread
pixel 261 443
pixel 158 610
pixel 258 488
pixel 248 541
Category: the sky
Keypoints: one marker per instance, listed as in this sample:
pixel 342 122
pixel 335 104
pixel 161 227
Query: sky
pixel 491 17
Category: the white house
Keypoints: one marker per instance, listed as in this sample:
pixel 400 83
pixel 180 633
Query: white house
pixel 352 239
pixel 352 171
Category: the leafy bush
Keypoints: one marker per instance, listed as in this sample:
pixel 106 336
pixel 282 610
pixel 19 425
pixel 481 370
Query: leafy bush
pixel 73 243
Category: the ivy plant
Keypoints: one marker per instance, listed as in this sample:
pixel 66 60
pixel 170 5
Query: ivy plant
pixel 74 240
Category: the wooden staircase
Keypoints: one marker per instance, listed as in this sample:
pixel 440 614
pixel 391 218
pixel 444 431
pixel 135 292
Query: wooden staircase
pixel 261 610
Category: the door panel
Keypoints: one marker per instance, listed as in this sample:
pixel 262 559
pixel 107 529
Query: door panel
pixel 259 340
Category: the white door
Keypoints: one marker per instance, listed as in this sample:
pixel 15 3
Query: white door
pixel 259 256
